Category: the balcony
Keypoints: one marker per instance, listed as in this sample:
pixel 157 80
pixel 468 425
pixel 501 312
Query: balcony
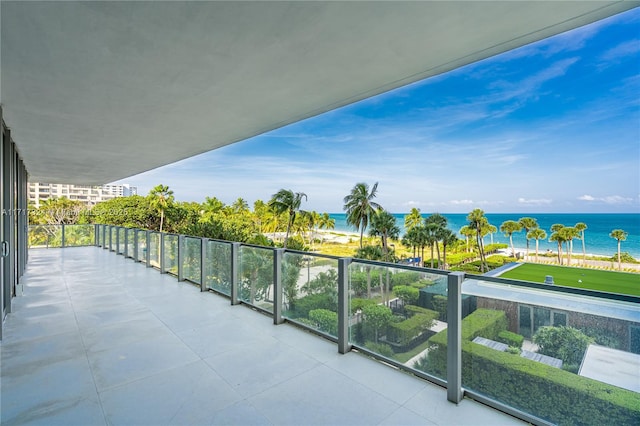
pixel 101 338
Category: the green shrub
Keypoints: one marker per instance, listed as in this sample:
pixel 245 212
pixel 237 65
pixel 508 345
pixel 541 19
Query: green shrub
pixel 567 343
pixel 423 283
pixel 549 393
pixel 511 339
pixel 405 331
pixel 514 350
pixel 357 303
pixel 404 278
pixel 325 320
pixel 413 309
pixel 304 305
pixel 380 348
pixel 408 295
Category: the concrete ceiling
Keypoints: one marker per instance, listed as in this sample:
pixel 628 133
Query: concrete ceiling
pixel 98 91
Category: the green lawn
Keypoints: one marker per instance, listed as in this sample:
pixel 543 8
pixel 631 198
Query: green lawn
pixel 593 279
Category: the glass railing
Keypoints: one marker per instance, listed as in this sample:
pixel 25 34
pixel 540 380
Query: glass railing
pixel 121 240
pixel 310 291
pixel 171 254
pixel 142 245
pixel 526 346
pixel 154 249
pixel 45 236
pixel 113 242
pixel 394 311
pixel 192 259
pixel 545 354
pixel 256 277
pixel 98 235
pixel 218 267
pixel 130 242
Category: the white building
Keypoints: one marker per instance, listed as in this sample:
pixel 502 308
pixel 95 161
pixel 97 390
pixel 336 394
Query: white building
pixel 90 195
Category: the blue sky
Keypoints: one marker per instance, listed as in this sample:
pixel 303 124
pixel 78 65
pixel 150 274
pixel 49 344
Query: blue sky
pixel 551 127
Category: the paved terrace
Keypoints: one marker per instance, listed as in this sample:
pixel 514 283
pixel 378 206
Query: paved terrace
pixel 98 339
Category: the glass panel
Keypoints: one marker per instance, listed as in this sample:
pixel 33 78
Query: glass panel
pixel 78 235
pixel 142 246
pixel 398 314
pixel 576 339
pixel 154 249
pixel 45 236
pixel 131 242
pixel 525 321
pixel 191 259
pixel 218 267
pixel 113 231
pixel 121 240
pixel 310 291
pixel 559 319
pixel 171 254
pixel 256 277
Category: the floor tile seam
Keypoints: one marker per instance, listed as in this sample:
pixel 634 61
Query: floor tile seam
pixel 381 364
pixel 428 422
pixel 21 420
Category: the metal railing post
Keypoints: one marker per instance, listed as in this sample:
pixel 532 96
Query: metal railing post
pixel 454 336
pixel 110 237
pixel 95 235
pixel 343 305
pixel 125 252
pixel 162 271
pixel 203 259
pixel 235 273
pixel 181 250
pixel 277 286
pixel 148 245
pixel 117 239
pixel 104 237
pixel 135 244
pixel 63 241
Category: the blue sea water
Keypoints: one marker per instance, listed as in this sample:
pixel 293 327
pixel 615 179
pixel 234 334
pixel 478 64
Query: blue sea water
pixel 597 239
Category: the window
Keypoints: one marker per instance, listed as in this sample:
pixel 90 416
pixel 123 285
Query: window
pixel 531 318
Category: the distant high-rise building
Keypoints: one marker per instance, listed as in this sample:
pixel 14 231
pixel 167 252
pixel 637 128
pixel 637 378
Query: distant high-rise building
pixel 87 194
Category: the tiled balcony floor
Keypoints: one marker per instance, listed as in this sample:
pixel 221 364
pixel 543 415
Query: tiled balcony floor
pixel 98 339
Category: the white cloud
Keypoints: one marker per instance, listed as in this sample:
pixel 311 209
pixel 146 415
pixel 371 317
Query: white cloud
pixel 534 202
pixel 609 199
pixel 461 202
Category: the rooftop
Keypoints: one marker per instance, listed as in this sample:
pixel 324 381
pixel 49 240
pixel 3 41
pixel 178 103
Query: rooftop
pixel 99 339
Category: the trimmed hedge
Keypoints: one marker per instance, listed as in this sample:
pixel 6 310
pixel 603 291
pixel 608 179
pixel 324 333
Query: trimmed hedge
pixel 511 339
pixel 402 333
pixel 544 391
pixel 413 309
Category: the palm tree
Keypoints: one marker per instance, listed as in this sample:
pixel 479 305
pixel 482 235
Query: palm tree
pixel 581 227
pixel 569 233
pixel 558 237
pixel 161 198
pixel 359 206
pixel 287 201
pixel 436 223
pixel 528 223
pixel 467 232
pixel 478 222
pixel 413 219
pixel 383 224
pixel 537 234
pixel 448 238
pixel 508 227
pixel 326 222
pixel 431 237
pixel 619 235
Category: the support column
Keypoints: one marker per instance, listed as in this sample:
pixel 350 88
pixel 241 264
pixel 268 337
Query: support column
pixel 235 273
pixel 277 286
pixel 181 250
pixel 203 259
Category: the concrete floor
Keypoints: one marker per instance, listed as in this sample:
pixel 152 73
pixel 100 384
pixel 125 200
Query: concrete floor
pixel 97 339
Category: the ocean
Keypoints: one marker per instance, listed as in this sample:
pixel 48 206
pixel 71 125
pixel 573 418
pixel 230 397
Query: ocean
pixel 597 239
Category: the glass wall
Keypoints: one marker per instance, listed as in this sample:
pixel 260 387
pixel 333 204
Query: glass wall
pixel 256 277
pixel 142 245
pixel 218 267
pixel 310 291
pixel 171 254
pixel 154 249
pixel 49 236
pixel 551 354
pixel 191 259
pixel 395 312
